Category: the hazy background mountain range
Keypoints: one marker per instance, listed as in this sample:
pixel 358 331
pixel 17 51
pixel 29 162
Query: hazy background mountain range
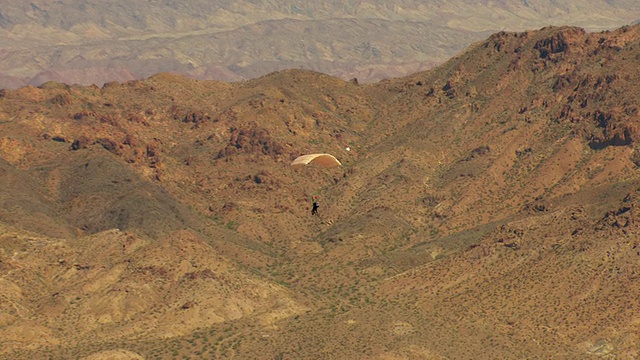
pixel 87 42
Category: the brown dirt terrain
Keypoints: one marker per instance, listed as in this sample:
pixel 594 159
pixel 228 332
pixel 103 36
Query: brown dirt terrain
pixel 486 209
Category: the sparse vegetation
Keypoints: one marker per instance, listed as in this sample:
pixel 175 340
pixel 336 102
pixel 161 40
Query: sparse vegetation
pixel 447 232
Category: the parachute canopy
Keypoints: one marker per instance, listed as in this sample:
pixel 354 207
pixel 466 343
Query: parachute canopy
pixel 324 160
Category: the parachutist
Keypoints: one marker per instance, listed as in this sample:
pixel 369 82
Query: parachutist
pixel 323 160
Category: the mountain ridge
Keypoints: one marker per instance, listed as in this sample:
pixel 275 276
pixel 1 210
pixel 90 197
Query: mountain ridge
pixel 485 209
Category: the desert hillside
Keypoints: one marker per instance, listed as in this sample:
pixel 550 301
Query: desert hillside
pixel 94 42
pixel 484 209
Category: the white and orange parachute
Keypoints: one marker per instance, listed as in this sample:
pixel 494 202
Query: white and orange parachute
pixel 324 160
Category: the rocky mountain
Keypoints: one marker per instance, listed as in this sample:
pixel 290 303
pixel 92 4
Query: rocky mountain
pixel 484 209
pixel 93 42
